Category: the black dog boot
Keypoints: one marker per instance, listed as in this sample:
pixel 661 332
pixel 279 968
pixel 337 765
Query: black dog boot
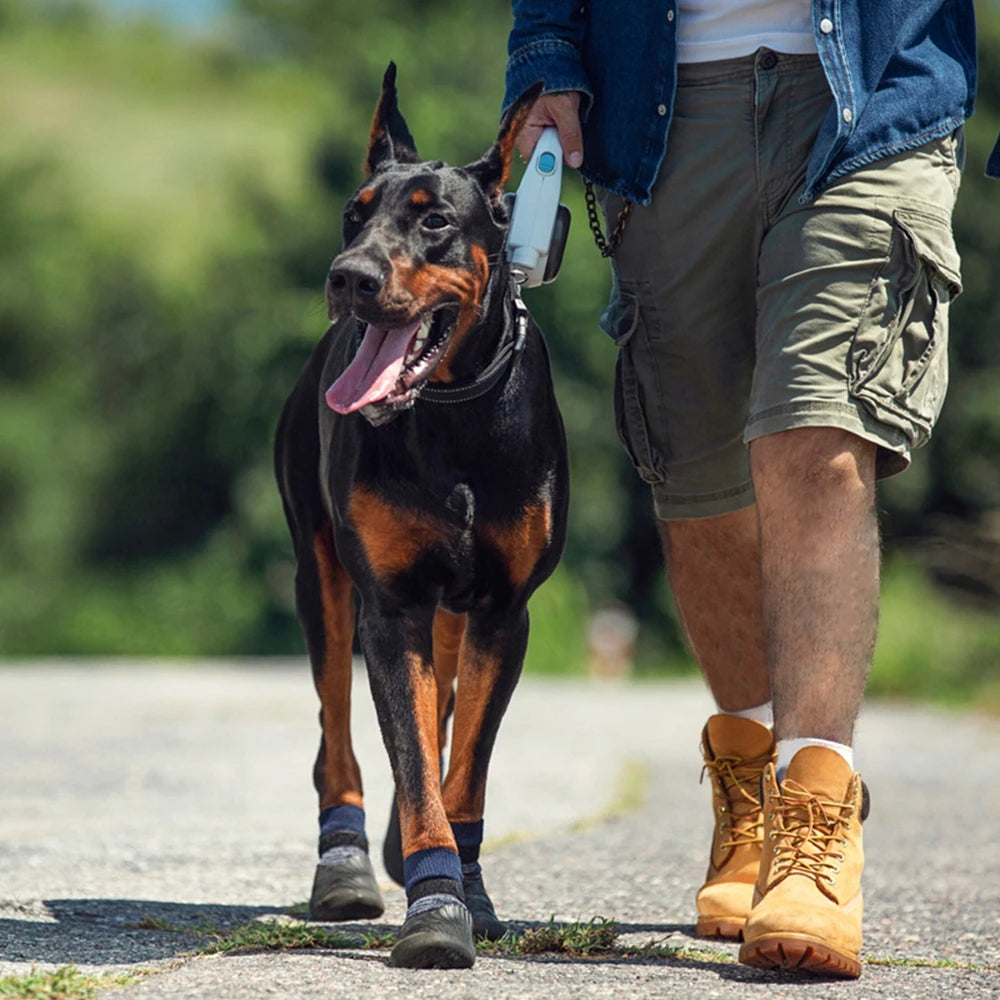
pixel 437 932
pixel 485 923
pixel 438 938
pixel 344 888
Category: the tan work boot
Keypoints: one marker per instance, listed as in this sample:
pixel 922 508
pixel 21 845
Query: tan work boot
pixel 807 903
pixel 735 752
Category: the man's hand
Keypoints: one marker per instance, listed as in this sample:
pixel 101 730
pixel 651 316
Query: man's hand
pixel 561 109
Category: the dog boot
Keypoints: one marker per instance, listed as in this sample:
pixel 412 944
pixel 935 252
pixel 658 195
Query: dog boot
pixel 437 934
pixel 808 903
pixel 486 925
pixel 344 887
pixel 735 751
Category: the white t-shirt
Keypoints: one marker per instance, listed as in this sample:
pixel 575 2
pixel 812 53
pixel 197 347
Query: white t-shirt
pixel 725 29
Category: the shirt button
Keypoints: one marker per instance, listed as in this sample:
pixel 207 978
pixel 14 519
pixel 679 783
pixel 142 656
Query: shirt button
pixel 661 109
pixel 670 15
pixel 848 115
pixel 826 26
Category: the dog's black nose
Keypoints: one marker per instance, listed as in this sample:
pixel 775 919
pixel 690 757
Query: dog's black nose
pixel 359 278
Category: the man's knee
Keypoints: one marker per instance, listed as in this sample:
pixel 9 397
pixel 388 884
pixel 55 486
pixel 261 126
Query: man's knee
pixel 808 458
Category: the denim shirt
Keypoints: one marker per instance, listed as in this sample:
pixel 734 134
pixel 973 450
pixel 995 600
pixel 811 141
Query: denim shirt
pixel 902 72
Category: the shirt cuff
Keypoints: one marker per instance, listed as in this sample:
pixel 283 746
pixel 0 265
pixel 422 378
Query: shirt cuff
pixel 552 60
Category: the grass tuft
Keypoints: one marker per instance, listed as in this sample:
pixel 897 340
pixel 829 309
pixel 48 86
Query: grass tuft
pixel 578 940
pixel 924 963
pixel 66 983
pixel 276 935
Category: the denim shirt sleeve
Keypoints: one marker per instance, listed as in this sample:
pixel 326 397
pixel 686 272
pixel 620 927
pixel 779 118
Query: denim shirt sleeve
pixel 993 164
pixel 545 44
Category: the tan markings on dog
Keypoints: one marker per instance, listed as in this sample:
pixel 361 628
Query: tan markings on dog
pixel 506 144
pixel 424 823
pixel 365 196
pixel 521 544
pixel 448 631
pixel 337 769
pixel 468 311
pixel 393 537
pixel 414 289
pixel 421 197
pixel 465 797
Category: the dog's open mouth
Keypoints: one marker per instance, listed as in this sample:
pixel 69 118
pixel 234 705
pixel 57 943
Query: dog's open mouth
pixel 392 364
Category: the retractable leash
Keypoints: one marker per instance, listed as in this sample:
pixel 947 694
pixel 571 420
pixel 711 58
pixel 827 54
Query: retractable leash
pixel 539 225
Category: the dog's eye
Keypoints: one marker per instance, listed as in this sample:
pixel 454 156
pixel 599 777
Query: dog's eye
pixel 352 217
pixel 434 221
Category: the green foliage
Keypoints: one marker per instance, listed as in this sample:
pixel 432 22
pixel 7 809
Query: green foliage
pixel 577 940
pixel 170 206
pixel 66 983
pixel 934 648
pixel 276 935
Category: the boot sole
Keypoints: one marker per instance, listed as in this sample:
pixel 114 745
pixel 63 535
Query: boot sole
pixel 799 953
pixel 730 928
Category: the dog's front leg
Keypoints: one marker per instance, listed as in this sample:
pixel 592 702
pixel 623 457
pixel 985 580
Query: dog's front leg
pixel 344 886
pixel 489 667
pixel 437 932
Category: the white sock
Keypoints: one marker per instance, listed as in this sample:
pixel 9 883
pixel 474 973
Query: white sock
pixel 787 749
pixel 764 714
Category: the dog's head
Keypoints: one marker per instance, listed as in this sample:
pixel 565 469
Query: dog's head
pixel 419 242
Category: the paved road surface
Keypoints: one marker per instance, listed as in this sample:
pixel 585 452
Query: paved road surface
pixel 182 793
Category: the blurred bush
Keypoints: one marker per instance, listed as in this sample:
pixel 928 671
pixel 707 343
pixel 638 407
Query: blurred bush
pixel 168 207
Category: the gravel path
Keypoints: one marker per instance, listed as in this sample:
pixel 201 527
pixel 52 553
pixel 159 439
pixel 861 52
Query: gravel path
pixel 142 796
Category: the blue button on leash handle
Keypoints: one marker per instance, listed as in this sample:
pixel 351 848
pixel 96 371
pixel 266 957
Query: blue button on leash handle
pixel 538 223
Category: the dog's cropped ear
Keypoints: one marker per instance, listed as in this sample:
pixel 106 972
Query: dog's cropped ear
pixel 493 170
pixel 390 139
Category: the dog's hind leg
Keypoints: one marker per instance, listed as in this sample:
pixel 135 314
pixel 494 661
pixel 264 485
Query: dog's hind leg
pixel 489 667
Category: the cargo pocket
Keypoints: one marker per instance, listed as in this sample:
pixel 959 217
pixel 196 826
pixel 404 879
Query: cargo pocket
pixel 898 364
pixel 622 321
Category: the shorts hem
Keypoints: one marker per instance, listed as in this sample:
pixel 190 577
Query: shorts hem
pixel 678 507
pixel 894 446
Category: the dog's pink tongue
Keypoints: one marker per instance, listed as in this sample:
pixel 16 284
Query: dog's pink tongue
pixel 375 368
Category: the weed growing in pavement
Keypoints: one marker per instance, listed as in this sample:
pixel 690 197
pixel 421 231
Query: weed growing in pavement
pixel 66 983
pixel 374 941
pixel 578 940
pixel 925 963
pixel 276 935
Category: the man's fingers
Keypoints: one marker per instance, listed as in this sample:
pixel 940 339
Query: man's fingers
pixel 563 111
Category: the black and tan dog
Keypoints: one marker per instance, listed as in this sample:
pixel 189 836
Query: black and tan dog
pixel 422 464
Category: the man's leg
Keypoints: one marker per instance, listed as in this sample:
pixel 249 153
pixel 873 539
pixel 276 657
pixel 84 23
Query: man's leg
pixel 819 570
pixel 714 569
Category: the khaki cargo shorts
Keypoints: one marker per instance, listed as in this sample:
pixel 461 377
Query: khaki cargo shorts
pixel 740 311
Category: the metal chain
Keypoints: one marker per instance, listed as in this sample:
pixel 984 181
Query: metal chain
pixel 608 245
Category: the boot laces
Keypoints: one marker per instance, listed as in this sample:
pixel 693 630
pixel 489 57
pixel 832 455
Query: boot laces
pixel 737 782
pixel 809 834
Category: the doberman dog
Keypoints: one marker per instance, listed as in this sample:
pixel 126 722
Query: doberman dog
pixel 422 463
